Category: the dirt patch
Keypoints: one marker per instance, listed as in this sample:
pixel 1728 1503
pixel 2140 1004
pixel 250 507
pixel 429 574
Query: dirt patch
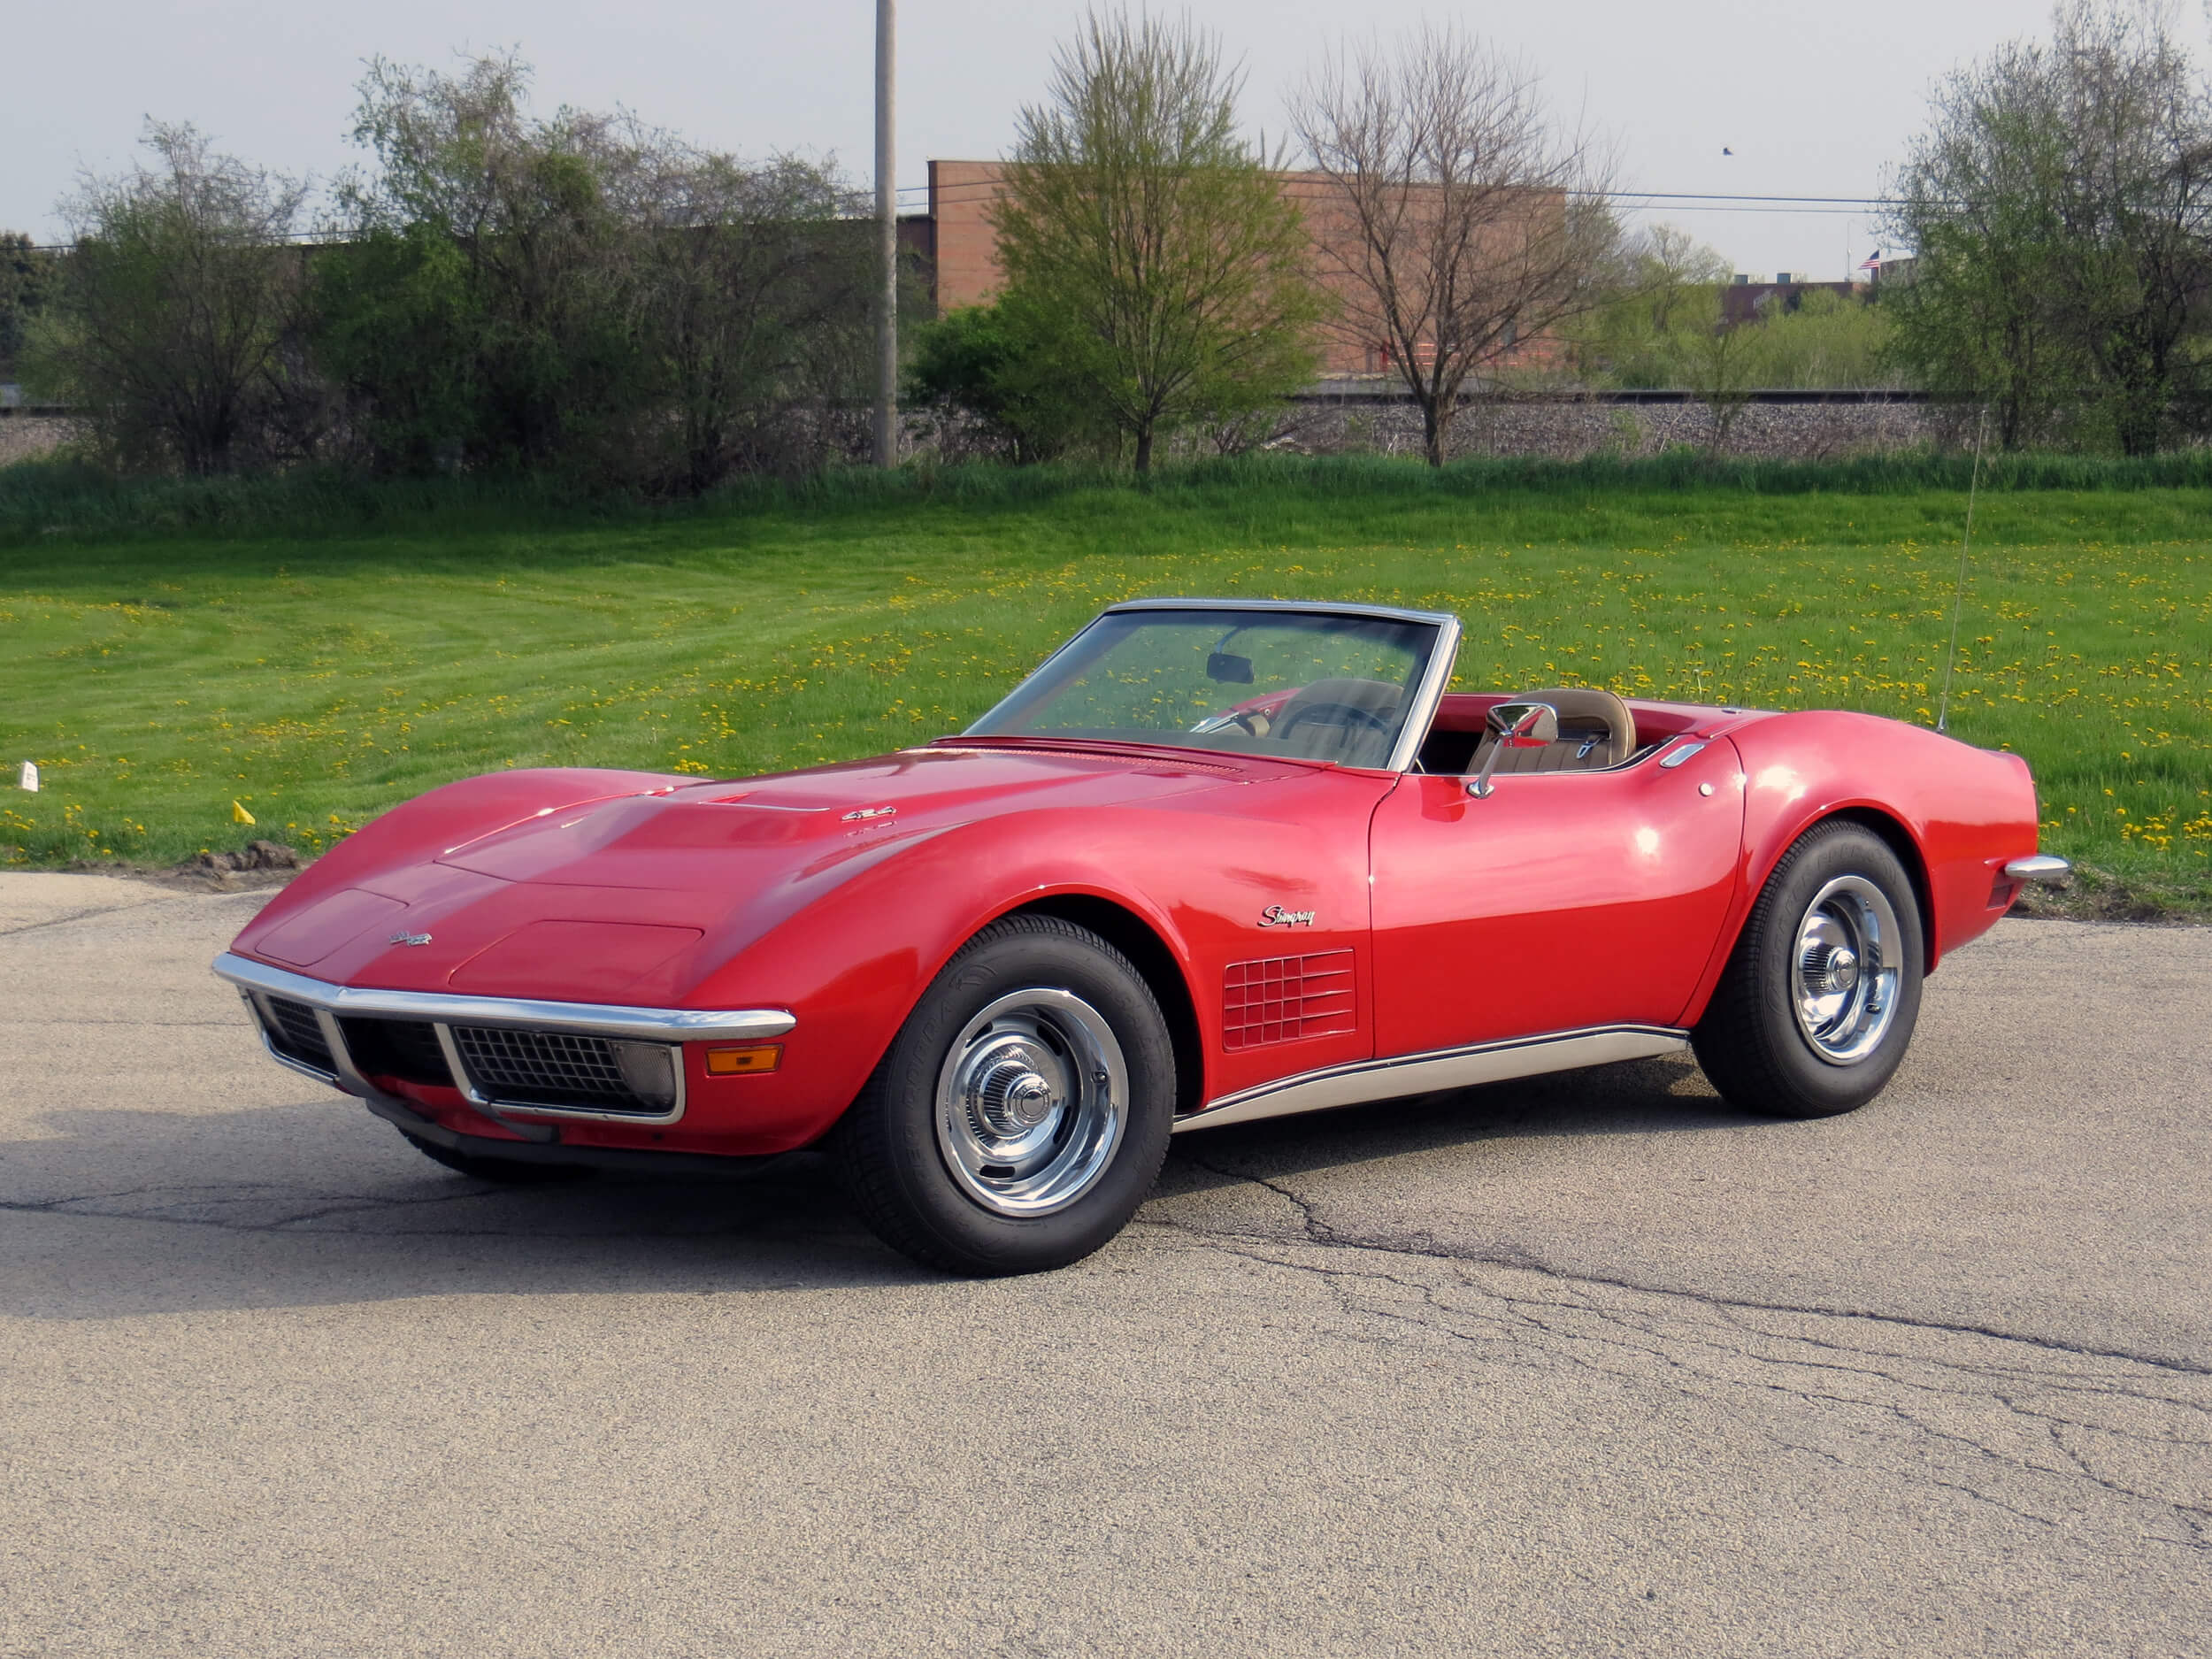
pixel 257 864
pixel 2098 895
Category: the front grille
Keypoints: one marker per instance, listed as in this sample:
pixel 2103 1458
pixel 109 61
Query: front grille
pixel 295 1031
pixel 547 1068
pixel 404 1048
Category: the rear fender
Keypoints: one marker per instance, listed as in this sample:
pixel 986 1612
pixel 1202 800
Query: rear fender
pixel 1954 814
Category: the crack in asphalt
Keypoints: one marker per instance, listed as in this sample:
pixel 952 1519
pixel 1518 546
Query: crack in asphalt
pixel 81 915
pixel 1320 1232
pixel 287 1208
pixel 2036 1430
pixel 1724 1348
pixel 96 911
pixel 72 1021
pixel 321 1204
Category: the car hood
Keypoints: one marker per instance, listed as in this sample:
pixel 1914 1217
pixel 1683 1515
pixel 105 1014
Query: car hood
pixel 629 896
pixel 683 840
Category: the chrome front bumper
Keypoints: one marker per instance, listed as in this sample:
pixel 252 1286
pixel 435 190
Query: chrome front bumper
pixel 256 982
pixel 2044 867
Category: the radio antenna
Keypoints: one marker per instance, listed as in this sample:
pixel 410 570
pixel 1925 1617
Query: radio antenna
pixel 1958 597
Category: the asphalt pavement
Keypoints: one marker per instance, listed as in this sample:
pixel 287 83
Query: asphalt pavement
pixel 1589 1365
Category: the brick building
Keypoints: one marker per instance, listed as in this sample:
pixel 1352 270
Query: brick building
pixel 958 249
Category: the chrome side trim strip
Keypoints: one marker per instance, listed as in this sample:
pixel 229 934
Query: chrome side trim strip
pixel 2045 867
pixel 595 1019
pixel 1360 1081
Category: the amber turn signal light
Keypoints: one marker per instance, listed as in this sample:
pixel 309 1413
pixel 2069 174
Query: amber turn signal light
pixel 738 1062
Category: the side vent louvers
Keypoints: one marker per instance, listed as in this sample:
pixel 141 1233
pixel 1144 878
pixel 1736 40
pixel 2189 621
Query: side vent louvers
pixel 1281 999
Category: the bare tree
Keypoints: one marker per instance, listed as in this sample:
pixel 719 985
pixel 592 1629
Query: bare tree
pixel 1460 223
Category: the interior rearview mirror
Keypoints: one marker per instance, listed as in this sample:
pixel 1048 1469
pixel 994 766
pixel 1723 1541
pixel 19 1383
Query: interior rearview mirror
pixel 1228 669
pixel 1514 725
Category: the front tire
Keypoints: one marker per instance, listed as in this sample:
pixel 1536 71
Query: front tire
pixel 1817 1006
pixel 1022 1112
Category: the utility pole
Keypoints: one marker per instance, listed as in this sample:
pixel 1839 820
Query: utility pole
pixel 888 236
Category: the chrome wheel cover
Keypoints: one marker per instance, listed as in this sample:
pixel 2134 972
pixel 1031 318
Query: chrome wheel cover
pixel 1845 969
pixel 1032 1102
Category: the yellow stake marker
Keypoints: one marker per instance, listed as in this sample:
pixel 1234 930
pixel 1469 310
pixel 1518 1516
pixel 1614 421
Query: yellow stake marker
pixel 239 815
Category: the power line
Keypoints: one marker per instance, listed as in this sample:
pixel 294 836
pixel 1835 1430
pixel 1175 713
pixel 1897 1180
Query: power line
pixel 1634 200
pixel 1609 196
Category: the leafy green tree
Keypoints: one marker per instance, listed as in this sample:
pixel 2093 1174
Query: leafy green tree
pixel 479 313
pixel 26 278
pixel 1653 281
pixel 1719 361
pixel 1828 341
pixel 174 323
pixel 2059 206
pixel 1979 204
pixel 585 293
pixel 1147 242
pixel 751 290
pixel 993 364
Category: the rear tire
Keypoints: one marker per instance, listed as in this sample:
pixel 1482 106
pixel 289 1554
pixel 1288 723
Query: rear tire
pixel 505 1171
pixel 1022 1112
pixel 1817 1006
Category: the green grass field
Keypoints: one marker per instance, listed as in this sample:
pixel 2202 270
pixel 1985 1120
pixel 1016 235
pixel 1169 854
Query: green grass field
pixel 318 677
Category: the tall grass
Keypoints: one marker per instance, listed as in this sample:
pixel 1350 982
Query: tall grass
pixel 72 502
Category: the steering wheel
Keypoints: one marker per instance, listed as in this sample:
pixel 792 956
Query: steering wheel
pixel 1343 716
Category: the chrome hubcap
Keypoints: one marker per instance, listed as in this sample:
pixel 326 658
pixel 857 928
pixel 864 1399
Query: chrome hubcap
pixel 1032 1102
pixel 1844 985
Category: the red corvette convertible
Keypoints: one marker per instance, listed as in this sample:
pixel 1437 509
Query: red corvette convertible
pixel 1214 861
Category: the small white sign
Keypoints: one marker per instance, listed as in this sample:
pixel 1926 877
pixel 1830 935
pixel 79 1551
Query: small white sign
pixel 30 776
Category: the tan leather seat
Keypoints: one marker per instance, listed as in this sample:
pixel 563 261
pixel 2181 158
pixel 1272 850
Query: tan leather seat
pixel 1596 730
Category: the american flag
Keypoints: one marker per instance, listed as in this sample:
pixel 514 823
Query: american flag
pixel 1872 262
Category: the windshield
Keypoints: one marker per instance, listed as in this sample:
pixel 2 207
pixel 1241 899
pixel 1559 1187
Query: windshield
pixel 1268 682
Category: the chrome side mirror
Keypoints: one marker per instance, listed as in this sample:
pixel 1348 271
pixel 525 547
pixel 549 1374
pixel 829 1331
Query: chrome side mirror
pixel 1514 725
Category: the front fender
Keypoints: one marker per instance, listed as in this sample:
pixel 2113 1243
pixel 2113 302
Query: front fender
pixel 852 963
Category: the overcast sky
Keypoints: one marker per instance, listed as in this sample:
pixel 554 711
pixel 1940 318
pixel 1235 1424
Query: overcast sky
pixel 1812 99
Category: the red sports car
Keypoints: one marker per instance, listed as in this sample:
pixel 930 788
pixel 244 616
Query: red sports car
pixel 1214 860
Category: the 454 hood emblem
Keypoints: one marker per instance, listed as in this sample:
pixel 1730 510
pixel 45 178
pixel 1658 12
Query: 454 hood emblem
pixel 408 939
pixel 1276 916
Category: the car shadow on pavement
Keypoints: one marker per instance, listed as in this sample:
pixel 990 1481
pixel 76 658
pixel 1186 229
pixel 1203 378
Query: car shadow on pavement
pixel 319 1203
